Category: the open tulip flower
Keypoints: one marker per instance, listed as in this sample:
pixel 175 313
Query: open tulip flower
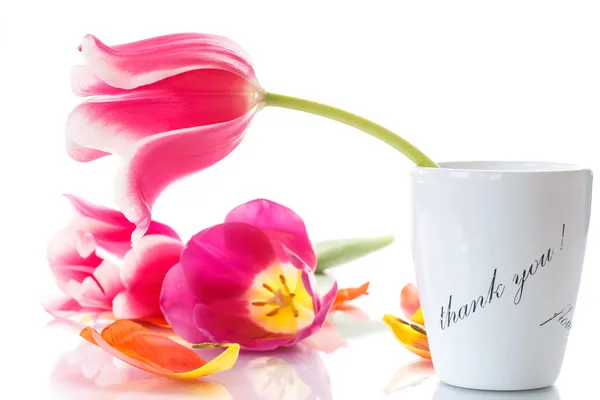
pixel 174 105
pixel 95 264
pixel 411 333
pixel 249 280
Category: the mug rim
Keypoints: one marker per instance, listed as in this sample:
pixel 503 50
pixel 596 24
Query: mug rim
pixel 505 166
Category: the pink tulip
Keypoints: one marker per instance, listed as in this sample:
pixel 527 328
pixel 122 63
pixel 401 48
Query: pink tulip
pixel 171 105
pixel 249 280
pixel 174 105
pixel 95 265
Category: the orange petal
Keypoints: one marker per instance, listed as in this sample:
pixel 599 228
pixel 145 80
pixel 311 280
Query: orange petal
pixel 157 354
pixel 345 295
pixel 410 303
pixel 156 321
pixel 412 336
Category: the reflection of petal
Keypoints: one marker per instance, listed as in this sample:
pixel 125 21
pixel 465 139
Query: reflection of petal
pixel 409 375
pixel 327 339
pixel 100 375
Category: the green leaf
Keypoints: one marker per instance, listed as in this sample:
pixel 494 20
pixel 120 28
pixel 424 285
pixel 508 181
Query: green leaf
pixel 335 252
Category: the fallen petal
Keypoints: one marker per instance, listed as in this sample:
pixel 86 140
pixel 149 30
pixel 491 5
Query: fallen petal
pixel 345 295
pixel 410 303
pixel 157 354
pixel 410 335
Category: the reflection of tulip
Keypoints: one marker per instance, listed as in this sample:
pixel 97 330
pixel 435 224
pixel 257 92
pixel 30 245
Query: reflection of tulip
pixel 294 373
pixel 173 105
pixel 410 333
pixel 95 265
pixel 249 280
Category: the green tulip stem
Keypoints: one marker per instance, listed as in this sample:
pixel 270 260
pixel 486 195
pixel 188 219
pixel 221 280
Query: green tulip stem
pixel 345 117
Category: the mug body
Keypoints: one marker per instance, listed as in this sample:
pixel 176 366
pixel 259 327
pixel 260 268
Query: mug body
pixel 498 250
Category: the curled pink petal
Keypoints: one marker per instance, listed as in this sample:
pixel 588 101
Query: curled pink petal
pixel 221 262
pixel 114 123
pixel 282 225
pixel 321 315
pixel 131 65
pixel 111 225
pixel 164 158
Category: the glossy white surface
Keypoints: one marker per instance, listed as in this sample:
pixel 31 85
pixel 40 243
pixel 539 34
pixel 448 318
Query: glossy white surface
pixel 372 365
pixel 461 80
pixel 498 250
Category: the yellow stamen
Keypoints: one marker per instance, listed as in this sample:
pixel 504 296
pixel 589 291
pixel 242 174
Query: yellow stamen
pixel 273 312
pixel 259 303
pixel 269 288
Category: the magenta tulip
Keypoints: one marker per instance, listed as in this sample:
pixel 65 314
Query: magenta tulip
pixel 249 280
pixel 96 266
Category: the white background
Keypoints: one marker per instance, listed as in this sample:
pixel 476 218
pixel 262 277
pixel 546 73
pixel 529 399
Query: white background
pixel 460 80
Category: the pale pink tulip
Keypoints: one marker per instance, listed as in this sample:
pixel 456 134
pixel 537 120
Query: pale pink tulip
pixel 171 105
pixel 95 265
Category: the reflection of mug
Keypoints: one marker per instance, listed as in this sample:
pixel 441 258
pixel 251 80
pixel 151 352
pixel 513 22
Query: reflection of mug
pixel 499 248
pixel 445 392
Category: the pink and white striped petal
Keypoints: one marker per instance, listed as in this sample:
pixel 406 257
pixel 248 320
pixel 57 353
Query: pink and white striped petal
pixel 159 160
pixel 135 64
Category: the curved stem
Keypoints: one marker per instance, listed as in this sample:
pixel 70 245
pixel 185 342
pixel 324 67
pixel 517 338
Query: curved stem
pixel 373 129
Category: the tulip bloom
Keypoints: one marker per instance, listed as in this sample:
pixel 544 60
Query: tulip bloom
pixel 170 106
pixel 95 265
pixel 174 105
pixel 411 334
pixel 249 280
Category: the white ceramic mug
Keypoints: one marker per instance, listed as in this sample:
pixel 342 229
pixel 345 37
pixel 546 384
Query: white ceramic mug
pixel 498 250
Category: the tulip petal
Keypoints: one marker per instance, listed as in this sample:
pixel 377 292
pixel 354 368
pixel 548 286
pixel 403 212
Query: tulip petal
pixel 281 224
pixel 321 315
pixel 345 295
pixel 162 159
pixel 146 265
pixel 157 354
pixel 114 123
pixel 85 83
pixel 131 65
pixel 177 302
pixel 227 321
pixel 410 303
pixel 62 307
pixel 411 336
pixel 114 220
pixel 222 261
pixel 64 259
